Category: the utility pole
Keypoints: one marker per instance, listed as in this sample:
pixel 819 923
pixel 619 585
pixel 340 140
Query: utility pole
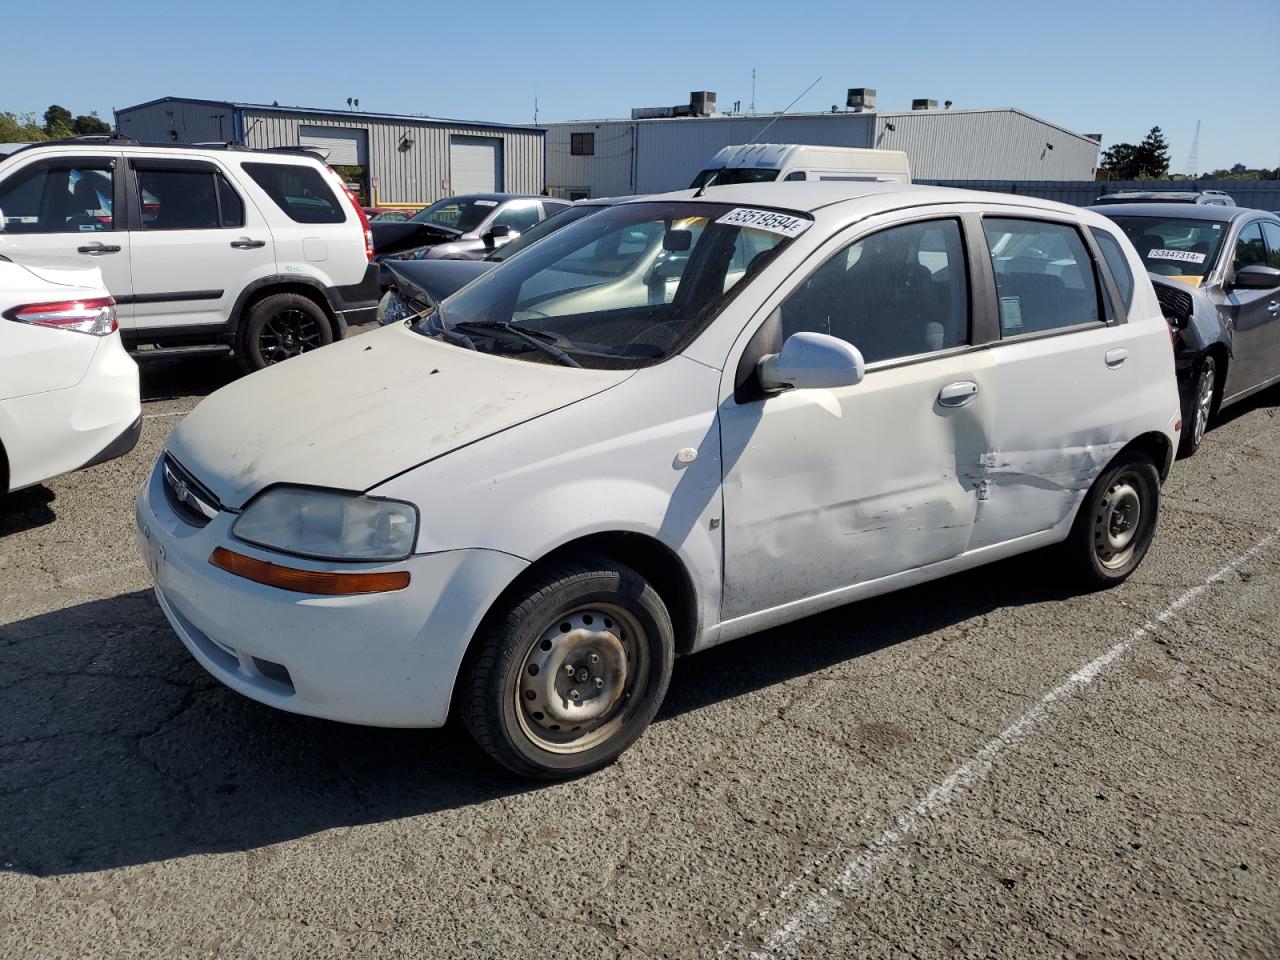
pixel 752 111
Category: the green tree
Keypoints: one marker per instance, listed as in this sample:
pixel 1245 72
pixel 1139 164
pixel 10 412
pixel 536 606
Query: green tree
pixel 20 128
pixel 89 124
pixel 1148 160
pixel 58 121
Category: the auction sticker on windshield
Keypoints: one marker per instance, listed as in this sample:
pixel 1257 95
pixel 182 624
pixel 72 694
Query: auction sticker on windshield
pixel 770 220
pixel 1187 256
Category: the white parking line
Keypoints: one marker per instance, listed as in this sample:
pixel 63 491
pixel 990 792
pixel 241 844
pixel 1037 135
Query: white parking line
pixel 156 416
pixel 820 908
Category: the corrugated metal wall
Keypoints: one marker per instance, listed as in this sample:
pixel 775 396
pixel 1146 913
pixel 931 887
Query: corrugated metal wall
pixel 1257 194
pixel 606 174
pixel 992 144
pixel 671 152
pixel 953 144
pixel 193 122
pixel 413 174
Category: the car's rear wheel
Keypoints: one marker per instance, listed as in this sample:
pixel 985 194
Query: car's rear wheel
pixel 281 326
pixel 1199 406
pixel 570 671
pixel 1116 522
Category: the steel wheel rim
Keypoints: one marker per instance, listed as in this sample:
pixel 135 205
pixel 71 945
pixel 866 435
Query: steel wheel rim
pixel 288 333
pixel 1117 522
pixel 608 688
pixel 1204 400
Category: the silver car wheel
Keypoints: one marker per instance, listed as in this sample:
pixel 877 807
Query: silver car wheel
pixel 1116 522
pixel 1204 398
pixel 580 678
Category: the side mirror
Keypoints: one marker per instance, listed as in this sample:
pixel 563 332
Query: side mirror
pixel 499 231
pixel 1257 277
pixel 812 361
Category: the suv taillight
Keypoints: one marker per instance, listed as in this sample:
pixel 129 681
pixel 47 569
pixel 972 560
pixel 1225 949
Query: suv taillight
pixel 360 215
pixel 96 317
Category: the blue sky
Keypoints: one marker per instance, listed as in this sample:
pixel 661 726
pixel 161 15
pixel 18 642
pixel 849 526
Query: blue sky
pixel 1116 67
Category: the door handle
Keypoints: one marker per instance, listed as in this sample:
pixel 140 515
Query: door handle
pixel 244 243
pixel 1273 307
pixel 96 249
pixel 1116 358
pixel 957 394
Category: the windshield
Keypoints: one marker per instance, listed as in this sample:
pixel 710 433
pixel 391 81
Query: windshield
pixel 1184 249
pixel 626 287
pixel 463 214
pixel 540 230
pixel 722 176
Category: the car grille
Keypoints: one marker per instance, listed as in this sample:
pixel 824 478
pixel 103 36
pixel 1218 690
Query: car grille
pixel 1174 302
pixel 191 499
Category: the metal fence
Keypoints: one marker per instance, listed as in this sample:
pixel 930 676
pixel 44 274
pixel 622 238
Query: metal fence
pixel 1258 194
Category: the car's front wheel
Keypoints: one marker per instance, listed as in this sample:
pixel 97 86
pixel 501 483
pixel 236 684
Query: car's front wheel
pixel 570 671
pixel 281 326
pixel 1199 406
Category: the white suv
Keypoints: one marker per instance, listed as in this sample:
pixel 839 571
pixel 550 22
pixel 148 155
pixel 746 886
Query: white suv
pixel 209 248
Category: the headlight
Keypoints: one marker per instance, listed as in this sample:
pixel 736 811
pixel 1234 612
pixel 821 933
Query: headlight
pixel 393 308
pixel 329 525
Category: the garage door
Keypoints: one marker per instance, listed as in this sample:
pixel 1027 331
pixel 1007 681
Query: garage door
pixel 475 165
pixel 346 147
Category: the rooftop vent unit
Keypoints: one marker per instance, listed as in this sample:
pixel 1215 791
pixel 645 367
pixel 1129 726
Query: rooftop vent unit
pixel 924 104
pixel 861 98
pixel 702 103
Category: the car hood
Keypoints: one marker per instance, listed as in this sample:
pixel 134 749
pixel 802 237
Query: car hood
pixel 393 236
pixel 433 280
pixel 358 412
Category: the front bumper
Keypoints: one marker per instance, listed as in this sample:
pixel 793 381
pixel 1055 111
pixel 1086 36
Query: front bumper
pixel 383 659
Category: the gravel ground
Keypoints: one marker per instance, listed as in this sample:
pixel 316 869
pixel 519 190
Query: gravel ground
pixel 987 766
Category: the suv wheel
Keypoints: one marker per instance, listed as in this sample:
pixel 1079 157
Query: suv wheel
pixel 569 674
pixel 281 326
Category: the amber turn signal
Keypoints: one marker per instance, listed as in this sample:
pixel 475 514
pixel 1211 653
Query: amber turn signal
pixel 307 581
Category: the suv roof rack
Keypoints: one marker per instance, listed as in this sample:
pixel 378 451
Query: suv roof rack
pixel 116 139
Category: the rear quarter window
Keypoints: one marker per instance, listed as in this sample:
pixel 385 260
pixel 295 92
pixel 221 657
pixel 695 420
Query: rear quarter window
pixel 300 191
pixel 1117 263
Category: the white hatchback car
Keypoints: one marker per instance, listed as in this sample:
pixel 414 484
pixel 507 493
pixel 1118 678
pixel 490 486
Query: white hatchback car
pixel 68 390
pixel 524 517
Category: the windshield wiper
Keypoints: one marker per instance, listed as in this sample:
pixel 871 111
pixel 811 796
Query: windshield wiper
pixel 532 337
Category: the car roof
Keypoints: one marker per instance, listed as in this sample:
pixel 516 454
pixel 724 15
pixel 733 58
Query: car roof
pixel 1185 211
pixel 811 195
pixel 498 196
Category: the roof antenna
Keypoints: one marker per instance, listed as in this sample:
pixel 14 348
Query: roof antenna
pixel 783 112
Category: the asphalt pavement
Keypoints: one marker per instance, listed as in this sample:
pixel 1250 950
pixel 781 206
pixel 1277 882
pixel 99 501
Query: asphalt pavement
pixel 986 766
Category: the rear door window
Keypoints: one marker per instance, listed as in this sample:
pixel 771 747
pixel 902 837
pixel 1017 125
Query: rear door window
pixel 1044 276
pixel 187 199
pixel 299 190
pixel 70 197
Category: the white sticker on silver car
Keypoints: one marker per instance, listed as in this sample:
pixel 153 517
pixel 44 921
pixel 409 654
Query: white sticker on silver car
pixel 770 220
pixel 1189 256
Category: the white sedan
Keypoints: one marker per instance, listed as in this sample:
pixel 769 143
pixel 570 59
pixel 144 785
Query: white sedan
pixel 537 496
pixel 68 389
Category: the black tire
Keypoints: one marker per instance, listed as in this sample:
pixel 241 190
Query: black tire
pixel 517 702
pixel 1199 405
pixel 281 326
pixel 1091 548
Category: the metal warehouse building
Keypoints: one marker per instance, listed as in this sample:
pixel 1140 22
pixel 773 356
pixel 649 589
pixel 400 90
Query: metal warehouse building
pixel 389 159
pixel 600 158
